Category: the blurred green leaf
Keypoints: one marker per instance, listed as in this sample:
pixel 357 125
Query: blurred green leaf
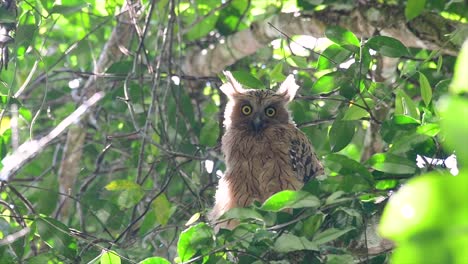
pixel 154 260
pixel 209 133
pixel 276 75
pixel 329 235
pixel 329 82
pixel 404 105
pixel 460 78
pixel 341 133
pixel 110 257
pixel 193 239
pixel 67 9
pixel 248 80
pixel 355 112
pixel 290 199
pixel 387 46
pixel 126 193
pixel 288 242
pixel 242 213
pixel 454 125
pixel 426 90
pixel 429 204
pixel 332 56
pixel 343 37
pixel 57 236
pixel 25 113
pixel 414 8
pixel 392 164
pixel 202 28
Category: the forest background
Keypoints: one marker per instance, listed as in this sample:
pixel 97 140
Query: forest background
pixel 110 126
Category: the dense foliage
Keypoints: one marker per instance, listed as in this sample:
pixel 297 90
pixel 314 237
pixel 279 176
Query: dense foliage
pixel 149 160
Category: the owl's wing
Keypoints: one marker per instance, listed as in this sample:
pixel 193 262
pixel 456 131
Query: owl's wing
pixel 303 158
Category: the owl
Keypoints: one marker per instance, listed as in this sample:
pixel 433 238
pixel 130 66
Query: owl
pixel 264 150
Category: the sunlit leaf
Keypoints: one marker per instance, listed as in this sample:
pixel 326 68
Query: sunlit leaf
pixel 392 164
pixel 426 90
pixel 356 111
pixel 404 105
pixel 414 8
pixel 343 37
pixel 332 56
pixel 194 238
pixel 154 260
pixel 460 78
pixel 290 199
pixel 276 75
pixel 242 213
pixel 428 204
pixel 454 125
pixel 387 46
pixel 110 257
pixel 248 80
pixel 329 82
pixel 202 28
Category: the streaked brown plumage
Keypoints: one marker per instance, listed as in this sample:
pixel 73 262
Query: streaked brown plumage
pixel 264 151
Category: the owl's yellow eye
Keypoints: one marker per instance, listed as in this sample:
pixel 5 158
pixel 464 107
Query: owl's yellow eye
pixel 246 110
pixel 270 111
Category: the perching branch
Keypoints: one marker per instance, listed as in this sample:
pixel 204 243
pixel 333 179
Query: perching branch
pixel 364 22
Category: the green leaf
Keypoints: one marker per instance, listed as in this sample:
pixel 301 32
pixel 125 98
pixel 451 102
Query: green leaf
pixel 430 130
pixel 56 235
pixel 343 37
pixel 290 199
pixel 110 257
pixel 329 82
pixel 454 125
pixel 248 80
pixel 297 61
pixel 430 204
pixel 288 242
pixel 242 213
pixel 405 106
pixel 276 75
pixel 332 56
pixel 202 28
pixel 67 9
pixel 426 90
pixel 355 177
pixel 163 208
pixel 209 133
pixel 126 193
pixel 387 46
pixel 414 8
pixel 355 112
pixel 25 113
pixel 193 239
pixel 154 260
pixel 405 120
pixel 460 78
pixel 329 235
pixel 392 164
pixel 341 133
pixel 339 259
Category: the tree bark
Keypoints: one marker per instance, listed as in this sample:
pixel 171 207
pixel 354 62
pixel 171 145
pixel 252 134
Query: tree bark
pixel 113 50
pixel 428 31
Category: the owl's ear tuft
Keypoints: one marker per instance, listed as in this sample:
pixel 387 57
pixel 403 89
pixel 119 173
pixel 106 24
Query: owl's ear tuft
pixel 288 88
pixel 232 87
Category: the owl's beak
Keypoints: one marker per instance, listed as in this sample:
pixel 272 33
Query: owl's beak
pixel 257 124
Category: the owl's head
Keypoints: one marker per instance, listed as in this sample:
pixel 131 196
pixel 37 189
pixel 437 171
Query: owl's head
pixel 256 110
